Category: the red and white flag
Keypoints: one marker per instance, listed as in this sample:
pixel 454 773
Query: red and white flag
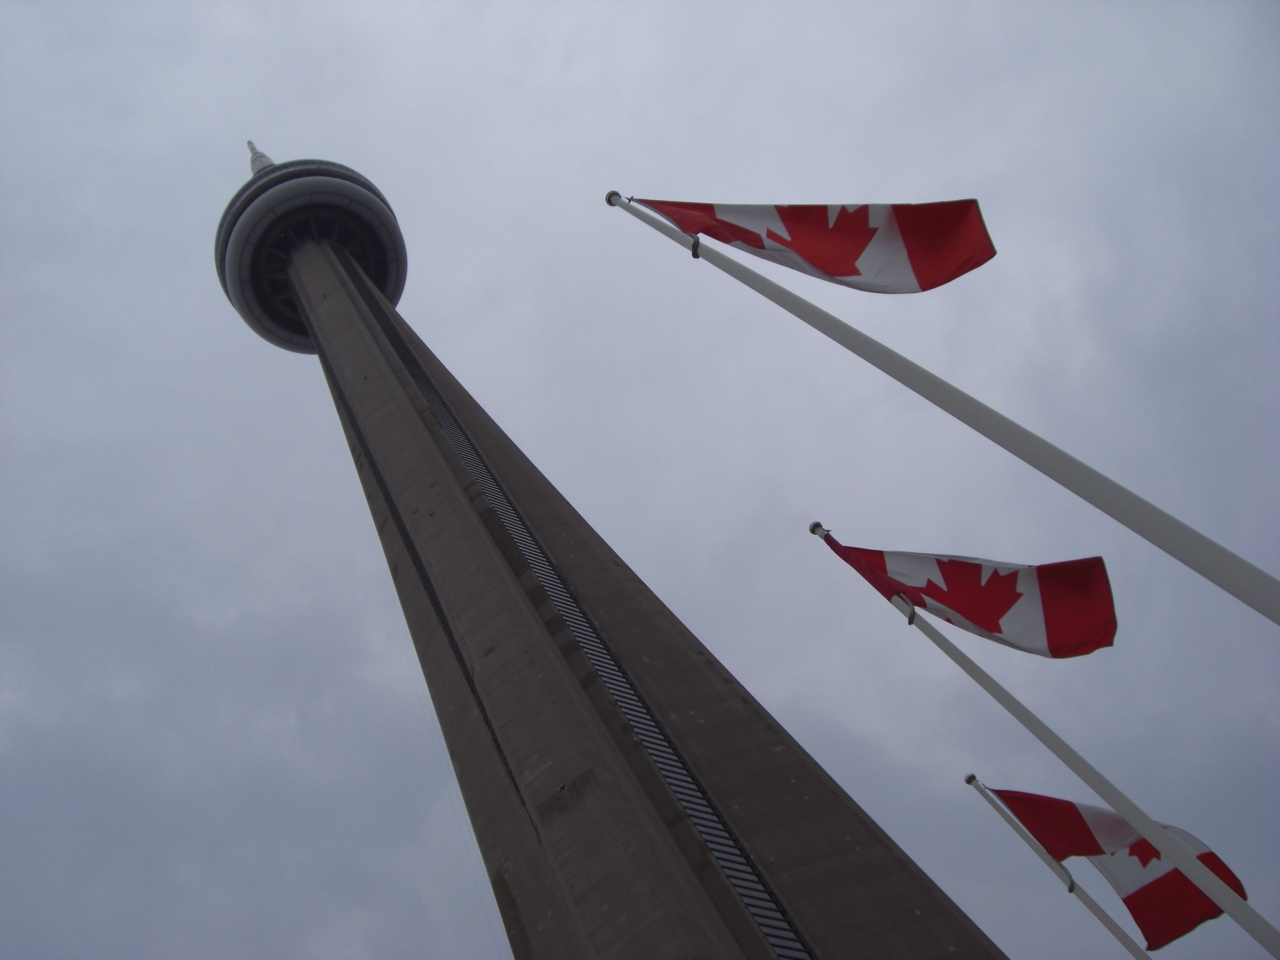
pixel 881 247
pixel 1163 902
pixel 1055 610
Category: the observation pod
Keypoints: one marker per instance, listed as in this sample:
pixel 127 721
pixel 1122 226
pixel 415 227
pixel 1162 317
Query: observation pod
pixel 281 206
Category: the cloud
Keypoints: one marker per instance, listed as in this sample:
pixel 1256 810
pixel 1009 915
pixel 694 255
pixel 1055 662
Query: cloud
pixel 214 734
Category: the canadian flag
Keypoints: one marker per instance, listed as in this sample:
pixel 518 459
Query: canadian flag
pixel 1055 610
pixel 881 247
pixel 1164 903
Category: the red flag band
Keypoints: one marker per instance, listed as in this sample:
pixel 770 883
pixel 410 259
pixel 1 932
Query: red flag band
pixel 1164 903
pixel 881 247
pixel 1055 610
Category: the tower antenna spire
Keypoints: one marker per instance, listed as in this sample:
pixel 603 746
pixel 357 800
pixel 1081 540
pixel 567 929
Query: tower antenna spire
pixel 257 159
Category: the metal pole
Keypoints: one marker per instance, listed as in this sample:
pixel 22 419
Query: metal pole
pixel 1211 560
pixel 1060 871
pixel 1249 919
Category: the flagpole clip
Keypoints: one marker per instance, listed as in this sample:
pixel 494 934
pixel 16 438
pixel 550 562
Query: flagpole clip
pixel 905 607
pixel 697 242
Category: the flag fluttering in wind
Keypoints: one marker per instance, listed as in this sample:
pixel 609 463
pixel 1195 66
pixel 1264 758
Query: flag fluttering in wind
pixel 1055 610
pixel 1164 903
pixel 881 247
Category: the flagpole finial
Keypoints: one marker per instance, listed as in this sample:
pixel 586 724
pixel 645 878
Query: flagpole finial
pixel 612 198
pixel 818 530
pixel 258 160
pixel 971 778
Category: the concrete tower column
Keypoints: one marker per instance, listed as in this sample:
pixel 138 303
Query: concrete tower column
pixel 629 797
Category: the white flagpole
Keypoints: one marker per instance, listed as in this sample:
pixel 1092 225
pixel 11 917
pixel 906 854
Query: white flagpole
pixel 1173 852
pixel 1060 871
pixel 1211 560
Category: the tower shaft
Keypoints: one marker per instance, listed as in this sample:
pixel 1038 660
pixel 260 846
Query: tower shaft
pixel 580 862
pixel 629 797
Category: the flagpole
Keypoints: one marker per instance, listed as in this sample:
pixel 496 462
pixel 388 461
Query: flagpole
pixel 1211 560
pixel 1060 872
pixel 1241 912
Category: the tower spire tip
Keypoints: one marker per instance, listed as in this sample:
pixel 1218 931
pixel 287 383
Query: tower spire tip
pixel 257 159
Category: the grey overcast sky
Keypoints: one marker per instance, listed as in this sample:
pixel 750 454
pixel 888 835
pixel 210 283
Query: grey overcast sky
pixel 214 737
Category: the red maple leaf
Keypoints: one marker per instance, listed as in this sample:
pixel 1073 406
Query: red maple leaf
pixel 1145 851
pixel 982 604
pixel 834 248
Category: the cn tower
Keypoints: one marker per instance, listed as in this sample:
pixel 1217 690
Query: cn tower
pixel 630 798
